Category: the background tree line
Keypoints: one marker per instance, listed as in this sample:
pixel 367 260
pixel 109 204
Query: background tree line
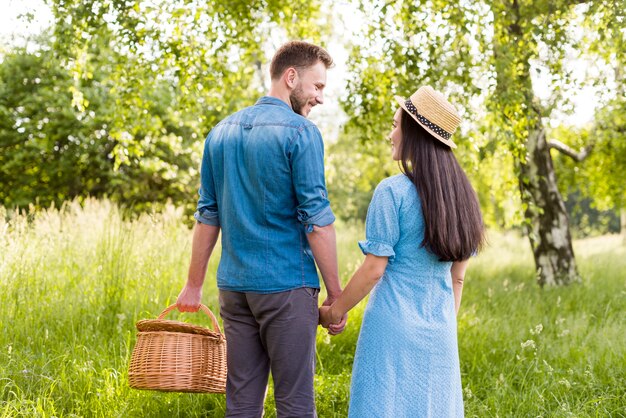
pixel 116 98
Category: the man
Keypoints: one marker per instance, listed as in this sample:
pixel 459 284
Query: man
pixel 262 183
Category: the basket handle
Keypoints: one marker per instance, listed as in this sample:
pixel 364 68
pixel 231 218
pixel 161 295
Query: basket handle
pixel 207 311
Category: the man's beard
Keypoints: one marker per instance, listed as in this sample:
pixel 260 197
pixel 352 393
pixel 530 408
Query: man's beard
pixel 298 101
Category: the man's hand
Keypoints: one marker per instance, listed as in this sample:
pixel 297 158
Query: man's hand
pixel 189 299
pixel 330 299
pixel 329 320
pixel 204 240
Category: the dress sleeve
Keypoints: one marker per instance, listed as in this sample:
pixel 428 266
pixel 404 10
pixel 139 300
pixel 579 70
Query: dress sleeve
pixel 382 226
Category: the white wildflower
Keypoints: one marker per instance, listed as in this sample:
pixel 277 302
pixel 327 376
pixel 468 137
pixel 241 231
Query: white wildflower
pixel 548 367
pixel 565 383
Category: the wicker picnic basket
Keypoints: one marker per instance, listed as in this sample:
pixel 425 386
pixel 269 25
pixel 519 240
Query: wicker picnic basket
pixel 175 356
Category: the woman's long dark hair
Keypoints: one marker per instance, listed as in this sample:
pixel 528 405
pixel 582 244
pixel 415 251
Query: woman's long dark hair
pixel 454 228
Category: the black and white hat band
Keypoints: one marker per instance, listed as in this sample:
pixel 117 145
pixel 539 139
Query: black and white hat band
pixel 439 131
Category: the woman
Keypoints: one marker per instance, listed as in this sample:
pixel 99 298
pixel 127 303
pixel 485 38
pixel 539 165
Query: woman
pixel 422 227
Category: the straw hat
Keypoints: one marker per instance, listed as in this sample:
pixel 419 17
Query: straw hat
pixel 433 112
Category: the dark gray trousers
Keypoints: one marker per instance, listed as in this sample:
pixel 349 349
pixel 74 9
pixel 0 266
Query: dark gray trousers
pixel 274 332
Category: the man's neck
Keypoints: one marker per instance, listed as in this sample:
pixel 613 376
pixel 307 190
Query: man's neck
pixel 280 94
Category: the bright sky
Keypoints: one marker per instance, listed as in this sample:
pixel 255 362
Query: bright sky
pixel 328 116
pixel 10 10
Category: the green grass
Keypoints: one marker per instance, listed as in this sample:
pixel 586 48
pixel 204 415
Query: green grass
pixel 74 282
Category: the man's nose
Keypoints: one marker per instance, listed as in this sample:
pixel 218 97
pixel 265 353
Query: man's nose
pixel 320 98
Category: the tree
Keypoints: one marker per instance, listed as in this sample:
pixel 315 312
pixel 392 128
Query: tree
pixel 47 148
pixel 485 53
pixel 211 53
pixel 117 99
pixel 598 177
pixel 56 147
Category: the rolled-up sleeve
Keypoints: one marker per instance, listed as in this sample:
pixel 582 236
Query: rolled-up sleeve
pixel 207 211
pixel 382 225
pixel 307 171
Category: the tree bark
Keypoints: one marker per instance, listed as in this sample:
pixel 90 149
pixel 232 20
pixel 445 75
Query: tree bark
pixel 564 149
pixel 546 218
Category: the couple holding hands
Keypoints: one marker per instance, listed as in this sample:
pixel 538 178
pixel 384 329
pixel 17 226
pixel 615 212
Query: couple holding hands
pixel 263 187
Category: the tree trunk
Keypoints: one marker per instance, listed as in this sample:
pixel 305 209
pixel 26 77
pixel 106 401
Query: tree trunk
pixel 544 211
pixel 546 219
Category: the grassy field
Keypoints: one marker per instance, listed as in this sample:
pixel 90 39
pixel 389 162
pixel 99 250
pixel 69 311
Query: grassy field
pixel 73 284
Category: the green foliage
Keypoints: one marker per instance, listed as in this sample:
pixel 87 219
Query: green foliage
pixel 41 133
pixel 117 99
pixel 210 52
pixel 597 178
pixel 353 170
pixel 446 46
pixel 483 55
pixel 608 160
pixel 391 59
pixel 74 281
pixel 585 220
pixel 58 142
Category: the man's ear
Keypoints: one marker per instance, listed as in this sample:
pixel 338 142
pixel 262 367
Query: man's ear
pixel 291 77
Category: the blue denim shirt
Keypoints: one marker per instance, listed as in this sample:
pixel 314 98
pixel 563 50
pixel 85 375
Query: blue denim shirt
pixel 262 182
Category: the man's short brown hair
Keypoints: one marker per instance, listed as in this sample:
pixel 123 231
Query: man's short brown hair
pixel 299 55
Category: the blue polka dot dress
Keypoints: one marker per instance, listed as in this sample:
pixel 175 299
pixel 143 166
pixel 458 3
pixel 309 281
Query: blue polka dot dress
pixel 406 362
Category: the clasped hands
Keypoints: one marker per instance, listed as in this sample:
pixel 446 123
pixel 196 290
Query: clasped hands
pixel 332 320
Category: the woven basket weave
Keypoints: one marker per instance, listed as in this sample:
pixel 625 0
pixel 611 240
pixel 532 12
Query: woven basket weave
pixel 174 356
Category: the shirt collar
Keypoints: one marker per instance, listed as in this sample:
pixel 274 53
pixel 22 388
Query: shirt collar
pixel 273 101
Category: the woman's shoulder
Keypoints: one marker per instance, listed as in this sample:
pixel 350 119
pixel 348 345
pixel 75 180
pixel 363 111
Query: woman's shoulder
pixel 399 183
pixel 398 189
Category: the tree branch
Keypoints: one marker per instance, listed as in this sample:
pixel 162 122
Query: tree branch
pixel 564 149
